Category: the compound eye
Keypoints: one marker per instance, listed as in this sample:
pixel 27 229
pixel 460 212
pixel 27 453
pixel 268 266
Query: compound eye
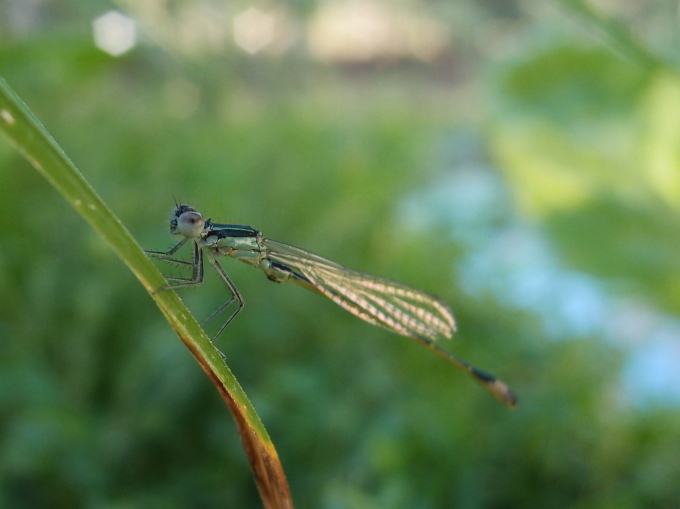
pixel 191 224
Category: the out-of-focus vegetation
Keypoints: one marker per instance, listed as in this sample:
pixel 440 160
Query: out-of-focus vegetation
pixel 516 164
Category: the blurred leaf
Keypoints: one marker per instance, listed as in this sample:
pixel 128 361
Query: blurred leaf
pixel 661 143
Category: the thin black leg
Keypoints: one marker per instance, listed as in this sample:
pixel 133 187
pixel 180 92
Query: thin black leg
pixel 172 250
pixel 197 270
pixel 164 256
pixel 235 295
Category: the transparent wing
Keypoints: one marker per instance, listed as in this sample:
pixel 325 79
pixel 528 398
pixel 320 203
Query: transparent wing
pixel 397 307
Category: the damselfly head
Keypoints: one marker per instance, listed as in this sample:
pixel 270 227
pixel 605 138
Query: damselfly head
pixel 178 210
pixel 186 221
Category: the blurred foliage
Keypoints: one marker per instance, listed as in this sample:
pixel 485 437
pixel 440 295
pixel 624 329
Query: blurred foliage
pixel 100 405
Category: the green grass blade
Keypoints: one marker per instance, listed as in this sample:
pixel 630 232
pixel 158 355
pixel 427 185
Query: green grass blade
pixel 30 137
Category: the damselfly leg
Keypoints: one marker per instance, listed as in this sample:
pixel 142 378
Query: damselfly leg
pixel 197 279
pixel 235 294
pixel 196 266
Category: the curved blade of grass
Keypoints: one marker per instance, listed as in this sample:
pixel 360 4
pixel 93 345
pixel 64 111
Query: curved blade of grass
pixel 30 137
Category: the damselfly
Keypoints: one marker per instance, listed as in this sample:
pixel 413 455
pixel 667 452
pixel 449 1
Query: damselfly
pixel 394 306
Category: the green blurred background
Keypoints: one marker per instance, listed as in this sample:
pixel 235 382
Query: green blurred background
pixel 519 159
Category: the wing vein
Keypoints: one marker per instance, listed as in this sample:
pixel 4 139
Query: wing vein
pixel 394 306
